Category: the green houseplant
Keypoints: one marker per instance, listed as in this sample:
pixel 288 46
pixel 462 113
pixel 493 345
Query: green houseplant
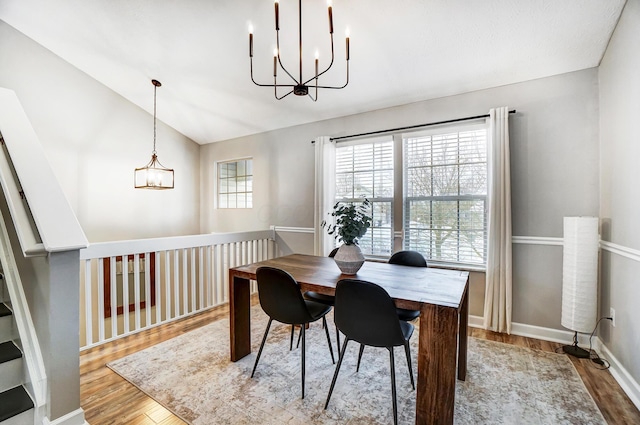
pixel 351 222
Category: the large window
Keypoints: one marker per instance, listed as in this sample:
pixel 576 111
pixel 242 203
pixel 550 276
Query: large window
pixel 446 190
pixel 366 171
pixel 443 192
pixel 235 184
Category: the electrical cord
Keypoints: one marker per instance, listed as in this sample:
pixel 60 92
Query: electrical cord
pixel 602 364
pixel 593 356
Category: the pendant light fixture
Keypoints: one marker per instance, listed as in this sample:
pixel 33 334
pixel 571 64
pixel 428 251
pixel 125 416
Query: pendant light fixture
pixel 154 175
pixel 299 86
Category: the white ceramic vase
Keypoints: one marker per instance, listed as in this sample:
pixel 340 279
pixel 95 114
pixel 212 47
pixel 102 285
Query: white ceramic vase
pixel 349 259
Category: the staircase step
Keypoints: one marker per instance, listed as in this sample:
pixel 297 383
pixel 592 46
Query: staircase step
pixel 9 351
pixel 6 325
pixel 11 366
pixel 13 402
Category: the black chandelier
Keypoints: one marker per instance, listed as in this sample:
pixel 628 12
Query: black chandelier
pixel 300 87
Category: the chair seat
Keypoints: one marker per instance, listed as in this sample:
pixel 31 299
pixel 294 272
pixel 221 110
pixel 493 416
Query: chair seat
pixel 316 310
pixel 407 315
pixel 321 298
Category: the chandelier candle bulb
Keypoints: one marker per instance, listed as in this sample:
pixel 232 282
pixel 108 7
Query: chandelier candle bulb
pixel 275 63
pixel 317 63
pixel 250 42
pixel 330 18
pixel 347 47
pixel 277 6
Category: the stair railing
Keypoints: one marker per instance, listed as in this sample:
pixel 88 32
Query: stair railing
pixel 36 379
pixel 129 286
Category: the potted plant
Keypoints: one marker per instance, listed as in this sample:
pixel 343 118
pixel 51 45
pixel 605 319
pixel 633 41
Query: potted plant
pixel 350 223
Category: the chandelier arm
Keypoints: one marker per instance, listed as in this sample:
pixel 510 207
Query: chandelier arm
pixel 282 97
pixel 309 94
pixel 329 67
pixel 280 60
pixel 338 87
pixel 266 85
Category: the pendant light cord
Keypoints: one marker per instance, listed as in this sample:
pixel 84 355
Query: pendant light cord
pixel 155 89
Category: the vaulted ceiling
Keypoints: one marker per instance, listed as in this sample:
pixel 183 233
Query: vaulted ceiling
pixel 401 51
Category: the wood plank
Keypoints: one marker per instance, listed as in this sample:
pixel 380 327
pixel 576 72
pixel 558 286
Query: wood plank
pixel 436 366
pixel 418 284
pixel 240 316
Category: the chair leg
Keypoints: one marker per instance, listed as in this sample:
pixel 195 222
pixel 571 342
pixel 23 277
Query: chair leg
pixel 326 330
pixel 360 357
pixel 335 374
pixel 338 339
pixel 299 335
pixel 407 351
pixel 302 332
pixel 293 327
pixel 393 386
pixel 264 339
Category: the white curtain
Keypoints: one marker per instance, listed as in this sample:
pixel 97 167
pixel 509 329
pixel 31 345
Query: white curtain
pixel 497 299
pixel 325 184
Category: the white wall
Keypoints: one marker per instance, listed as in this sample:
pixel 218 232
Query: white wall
pixel 620 197
pixel 94 139
pixel 554 154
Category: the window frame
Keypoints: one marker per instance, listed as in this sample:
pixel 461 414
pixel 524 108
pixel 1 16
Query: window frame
pixel 406 199
pixel 382 199
pixel 218 184
pixel 399 201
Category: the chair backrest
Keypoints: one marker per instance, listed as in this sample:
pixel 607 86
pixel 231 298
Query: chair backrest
pixel 280 296
pixel 333 252
pixel 408 258
pixel 366 313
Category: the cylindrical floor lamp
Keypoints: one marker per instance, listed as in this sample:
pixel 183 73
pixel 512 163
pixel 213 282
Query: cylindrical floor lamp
pixel 580 279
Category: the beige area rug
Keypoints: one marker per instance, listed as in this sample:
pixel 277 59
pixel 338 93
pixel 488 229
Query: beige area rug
pixel 192 376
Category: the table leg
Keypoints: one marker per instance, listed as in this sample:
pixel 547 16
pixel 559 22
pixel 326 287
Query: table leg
pixel 463 336
pixel 239 317
pixel 436 365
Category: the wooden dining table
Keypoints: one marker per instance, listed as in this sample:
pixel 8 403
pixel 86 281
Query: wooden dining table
pixel 440 295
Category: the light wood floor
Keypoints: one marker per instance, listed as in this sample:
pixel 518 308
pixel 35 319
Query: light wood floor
pixel 108 399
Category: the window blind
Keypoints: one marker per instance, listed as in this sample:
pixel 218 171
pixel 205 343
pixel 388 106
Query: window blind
pixel 365 170
pixel 445 179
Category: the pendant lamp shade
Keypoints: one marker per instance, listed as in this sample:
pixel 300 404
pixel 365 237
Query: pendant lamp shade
pixel 153 175
pixel 580 274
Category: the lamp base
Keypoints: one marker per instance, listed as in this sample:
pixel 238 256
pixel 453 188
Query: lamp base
pixel 574 350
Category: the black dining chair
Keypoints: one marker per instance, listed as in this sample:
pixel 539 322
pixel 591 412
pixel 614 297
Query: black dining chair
pixel 412 259
pixel 403 258
pixel 282 301
pixel 365 313
pixel 322 298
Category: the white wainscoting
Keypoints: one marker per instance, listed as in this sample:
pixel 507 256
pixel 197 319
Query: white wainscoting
pixel 632 254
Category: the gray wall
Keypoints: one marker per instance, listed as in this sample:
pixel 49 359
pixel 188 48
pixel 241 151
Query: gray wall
pixel 94 138
pixel 554 153
pixel 554 160
pixel 620 197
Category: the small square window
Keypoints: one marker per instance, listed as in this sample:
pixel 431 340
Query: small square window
pixel 235 184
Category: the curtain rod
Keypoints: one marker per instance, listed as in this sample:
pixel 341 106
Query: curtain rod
pixel 390 130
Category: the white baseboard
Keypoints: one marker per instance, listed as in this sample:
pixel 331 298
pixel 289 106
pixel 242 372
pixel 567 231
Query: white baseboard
pixel 72 418
pixel 538 332
pixel 619 373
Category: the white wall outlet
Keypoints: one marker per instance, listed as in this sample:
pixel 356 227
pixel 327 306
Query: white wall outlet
pixel 612 314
